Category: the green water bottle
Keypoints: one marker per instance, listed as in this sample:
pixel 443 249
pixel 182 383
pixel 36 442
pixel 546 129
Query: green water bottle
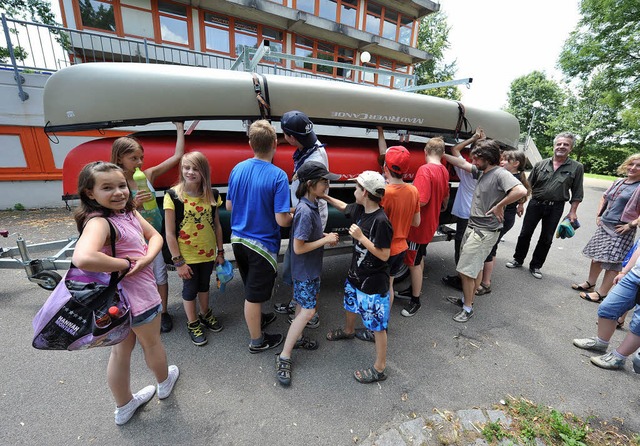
pixel 141 180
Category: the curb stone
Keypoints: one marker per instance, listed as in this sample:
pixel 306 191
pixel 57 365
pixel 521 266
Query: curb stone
pixel 443 428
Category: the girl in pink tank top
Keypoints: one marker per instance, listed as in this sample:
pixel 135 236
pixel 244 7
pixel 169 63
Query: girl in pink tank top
pixel 104 194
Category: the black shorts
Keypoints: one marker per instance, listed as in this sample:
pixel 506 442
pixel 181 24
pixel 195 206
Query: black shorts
pixel 396 262
pixel 199 282
pixel 257 274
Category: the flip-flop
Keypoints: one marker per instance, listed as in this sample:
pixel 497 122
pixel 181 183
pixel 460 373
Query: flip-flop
pixel 364 334
pixel 370 375
pixel 579 287
pixel 587 297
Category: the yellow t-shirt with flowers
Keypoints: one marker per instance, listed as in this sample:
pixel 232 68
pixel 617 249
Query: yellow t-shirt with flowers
pixel 196 234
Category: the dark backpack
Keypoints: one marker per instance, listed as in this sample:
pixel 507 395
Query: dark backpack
pixel 179 211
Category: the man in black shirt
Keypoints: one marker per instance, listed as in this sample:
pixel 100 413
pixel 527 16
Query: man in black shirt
pixel 554 181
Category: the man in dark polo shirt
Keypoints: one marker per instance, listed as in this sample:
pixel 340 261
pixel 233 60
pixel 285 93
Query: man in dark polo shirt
pixel 554 181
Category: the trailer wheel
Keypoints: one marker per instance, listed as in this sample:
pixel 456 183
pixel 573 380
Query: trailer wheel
pixel 51 279
pixel 402 274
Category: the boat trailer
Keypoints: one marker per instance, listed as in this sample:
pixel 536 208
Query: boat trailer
pixel 39 271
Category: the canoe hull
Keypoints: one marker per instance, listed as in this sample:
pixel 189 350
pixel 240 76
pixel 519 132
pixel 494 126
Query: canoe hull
pixel 105 95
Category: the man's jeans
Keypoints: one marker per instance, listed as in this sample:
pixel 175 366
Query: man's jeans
pixel 550 214
pixel 622 298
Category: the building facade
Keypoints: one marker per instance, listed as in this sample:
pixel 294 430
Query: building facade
pixel 210 33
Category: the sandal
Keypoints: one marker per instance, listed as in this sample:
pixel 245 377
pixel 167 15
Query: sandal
pixel 579 287
pixel 338 333
pixel 587 296
pixel 483 289
pixel 364 334
pixel 370 375
pixel 306 343
pixel 283 370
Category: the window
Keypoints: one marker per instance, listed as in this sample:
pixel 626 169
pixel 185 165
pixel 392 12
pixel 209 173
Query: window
pixel 174 26
pixel 325 51
pixel 216 33
pixel 341 11
pixel 228 35
pixel 97 14
pixel 390 24
pixel 383 79
pixel 348 12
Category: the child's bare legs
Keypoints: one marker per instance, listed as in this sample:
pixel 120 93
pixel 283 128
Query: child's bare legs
pixel 119 367
pixel 119 370
pixel 606 328
pixel 154 354
pixel 630 344
pixel 350 322
pixel 416 278
pixel 487 272
pixel 190 310
pixel 381 350
pixel 391 293
pixel 164 295
pixel 302 316
pixel 253 318
pixel 607 282
pixel 203 300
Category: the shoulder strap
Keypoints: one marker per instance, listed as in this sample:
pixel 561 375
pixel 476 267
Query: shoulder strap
pixel 178 207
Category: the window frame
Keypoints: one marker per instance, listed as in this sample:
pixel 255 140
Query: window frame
pixel 382 18
pixel 231 31
pixel 337 57
pixel 316 10
pixel 155 8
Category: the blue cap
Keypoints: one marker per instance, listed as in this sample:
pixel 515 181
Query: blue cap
pixel 224 273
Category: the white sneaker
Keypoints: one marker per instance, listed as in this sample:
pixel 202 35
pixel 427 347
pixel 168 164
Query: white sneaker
pixel 165 387
pixel 124 413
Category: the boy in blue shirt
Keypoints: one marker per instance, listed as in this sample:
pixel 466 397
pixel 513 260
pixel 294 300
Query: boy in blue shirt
pixel 258 199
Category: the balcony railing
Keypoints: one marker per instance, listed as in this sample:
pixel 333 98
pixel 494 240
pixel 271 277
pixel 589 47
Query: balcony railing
pixel 45 49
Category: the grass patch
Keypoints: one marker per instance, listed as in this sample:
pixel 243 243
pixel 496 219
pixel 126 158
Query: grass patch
pixel 531 421
pixel 601 177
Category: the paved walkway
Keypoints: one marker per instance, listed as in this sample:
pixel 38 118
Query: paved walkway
pixel 463 427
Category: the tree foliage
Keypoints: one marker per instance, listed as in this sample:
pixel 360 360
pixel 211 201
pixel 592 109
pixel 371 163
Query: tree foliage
pixel 38 11
pixel 433 35
pixel 528 89
pixel 606 43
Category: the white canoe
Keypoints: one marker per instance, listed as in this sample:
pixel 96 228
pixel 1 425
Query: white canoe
pixel 104 95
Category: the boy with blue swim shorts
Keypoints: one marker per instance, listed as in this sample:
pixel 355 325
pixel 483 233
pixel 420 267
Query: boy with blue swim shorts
pixel 307 242
pixel 367 286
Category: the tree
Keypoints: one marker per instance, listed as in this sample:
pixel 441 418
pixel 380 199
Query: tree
pixel 606 43
pixel 433 35
pixel 38 11
pixel 526 90
pixel 590 115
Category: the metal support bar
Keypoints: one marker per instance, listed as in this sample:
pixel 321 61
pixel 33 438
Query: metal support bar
pixel 263 49
pixel 23 95
pixel 466 81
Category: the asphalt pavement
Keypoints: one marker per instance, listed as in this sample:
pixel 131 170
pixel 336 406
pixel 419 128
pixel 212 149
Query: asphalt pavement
pixel 518 343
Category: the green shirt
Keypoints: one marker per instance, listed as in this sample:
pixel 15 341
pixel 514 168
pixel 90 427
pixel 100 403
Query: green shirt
pixel 562 184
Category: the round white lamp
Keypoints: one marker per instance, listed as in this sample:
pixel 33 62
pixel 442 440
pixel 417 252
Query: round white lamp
pixel 365 57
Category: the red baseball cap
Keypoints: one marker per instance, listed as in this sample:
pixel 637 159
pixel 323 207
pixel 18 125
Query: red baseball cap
pixel 397 159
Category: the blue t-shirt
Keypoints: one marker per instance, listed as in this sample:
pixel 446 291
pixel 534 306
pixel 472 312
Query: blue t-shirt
pixel 258 190
pixel 307 226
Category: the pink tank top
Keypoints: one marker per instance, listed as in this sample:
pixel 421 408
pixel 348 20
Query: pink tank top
pixel 141 288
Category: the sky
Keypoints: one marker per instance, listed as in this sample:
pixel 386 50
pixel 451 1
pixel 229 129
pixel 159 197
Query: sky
pixel 497 41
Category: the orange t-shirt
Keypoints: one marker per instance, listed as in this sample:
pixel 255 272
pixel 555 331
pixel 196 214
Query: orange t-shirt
pixel 432 181
pixel 400 202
